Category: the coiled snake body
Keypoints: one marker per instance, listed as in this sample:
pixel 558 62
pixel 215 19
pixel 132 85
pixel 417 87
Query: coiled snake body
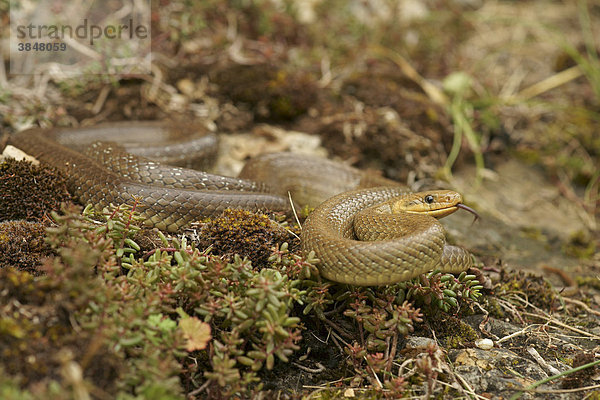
pixel 380 234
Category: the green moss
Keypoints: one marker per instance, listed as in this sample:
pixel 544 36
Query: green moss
pixel 11 390
pixel 535 288
pixel 456 333
pixel 580 245
pixel 529 155
pixel 244 233
pixel 494 308
pixel 590 281
pixel 534 233
pixel 595 395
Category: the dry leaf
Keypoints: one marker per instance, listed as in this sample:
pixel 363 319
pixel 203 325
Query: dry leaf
pixel 196 332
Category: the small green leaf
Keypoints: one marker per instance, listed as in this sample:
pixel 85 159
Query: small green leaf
pixel 132 244
pixel 270 361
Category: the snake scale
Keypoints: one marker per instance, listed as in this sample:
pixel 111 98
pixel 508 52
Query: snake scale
pixel 374 235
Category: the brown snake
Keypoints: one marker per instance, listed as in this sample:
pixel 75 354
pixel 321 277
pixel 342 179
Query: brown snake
pixel 371 236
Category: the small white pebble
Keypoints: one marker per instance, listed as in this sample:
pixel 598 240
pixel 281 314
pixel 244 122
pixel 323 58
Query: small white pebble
pixel 484 344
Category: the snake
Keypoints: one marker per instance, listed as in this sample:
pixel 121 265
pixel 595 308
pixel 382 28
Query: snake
pixel 365 229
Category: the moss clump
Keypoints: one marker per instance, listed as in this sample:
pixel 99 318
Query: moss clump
pixel 589 281
pixel 30 192
pixel 272 94
pixel 22 245
pixel 456 333
pixel 494 308
pixel 535 288
pixel 244 233
pixel 580 245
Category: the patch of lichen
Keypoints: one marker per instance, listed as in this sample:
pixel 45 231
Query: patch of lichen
pixel 22 245
pixel 29 192
pixel 246 234
pixel 273 94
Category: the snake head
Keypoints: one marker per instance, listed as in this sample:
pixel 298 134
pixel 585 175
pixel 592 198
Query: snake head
pixel 435 203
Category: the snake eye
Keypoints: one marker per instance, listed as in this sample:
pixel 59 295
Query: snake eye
pixel 429 199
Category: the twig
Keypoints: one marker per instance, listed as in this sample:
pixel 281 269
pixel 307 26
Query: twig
pixel 335 340
pixel 199 390
pixel 534 353
pixel 392 353
pixel 512 335
pixel 401 367
pixel 434 93
pixel 101 99
pixel 562 274
pixel 511 309
pixel 337 329
pixel 582 305
pixel 318 370
pixel 553 320
pixel 295 214
pixel 466 387
pixel 563 325
pixel 319 339
pixel 547 84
